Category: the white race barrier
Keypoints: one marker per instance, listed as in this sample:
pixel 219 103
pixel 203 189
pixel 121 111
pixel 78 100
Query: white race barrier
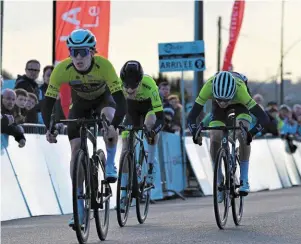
pixel 32 172
pixel 36 179
pixel 285 163
pixel 57 157
pixel 12 202
pixel 263 173
pixel 197 164
pixel 297 157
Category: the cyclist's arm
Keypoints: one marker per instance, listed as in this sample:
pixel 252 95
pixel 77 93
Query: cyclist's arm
pixel 51 94
pixel 204 95
pixel 115 87
pixel 158 109
pixel 120 108
pixel 243 96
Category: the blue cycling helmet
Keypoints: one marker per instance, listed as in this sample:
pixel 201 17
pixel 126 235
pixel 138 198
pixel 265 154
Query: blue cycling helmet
pixel 81 38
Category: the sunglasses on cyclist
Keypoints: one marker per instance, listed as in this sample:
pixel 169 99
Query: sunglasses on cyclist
pixel 222 100
pixel 83 52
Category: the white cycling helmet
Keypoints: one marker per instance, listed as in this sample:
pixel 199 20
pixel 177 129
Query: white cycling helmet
pixel 224 86
pixel 81 38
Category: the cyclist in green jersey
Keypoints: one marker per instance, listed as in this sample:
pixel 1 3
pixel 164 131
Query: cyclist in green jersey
pixel 95 86
pixel 228 90
pixel 144 106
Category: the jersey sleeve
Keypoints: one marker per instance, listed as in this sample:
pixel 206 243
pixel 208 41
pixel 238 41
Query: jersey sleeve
pixel 57 78
pixel 156 100
pixel 113 82
pixel 205 93
pixel 242 95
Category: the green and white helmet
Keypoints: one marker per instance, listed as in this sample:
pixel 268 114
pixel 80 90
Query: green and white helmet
pixel 224 86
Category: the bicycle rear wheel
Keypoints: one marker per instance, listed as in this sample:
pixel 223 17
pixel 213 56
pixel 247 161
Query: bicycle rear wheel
pixel 81 219
pixel 221 186
pixel 124 188
pixel 237 200
pixel 144 194
pixel 103 194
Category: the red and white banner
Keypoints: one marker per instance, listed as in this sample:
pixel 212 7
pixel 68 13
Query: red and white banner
pixel 236 22
pixel 71 15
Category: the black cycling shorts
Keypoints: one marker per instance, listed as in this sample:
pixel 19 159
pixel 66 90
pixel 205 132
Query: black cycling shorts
pixel 137 111
pixel 219 115
pixel 81 108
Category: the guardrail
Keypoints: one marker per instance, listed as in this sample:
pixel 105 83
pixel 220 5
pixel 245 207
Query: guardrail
pixel 36 180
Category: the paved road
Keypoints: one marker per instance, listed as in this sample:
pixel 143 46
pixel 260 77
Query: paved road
pixel 270 218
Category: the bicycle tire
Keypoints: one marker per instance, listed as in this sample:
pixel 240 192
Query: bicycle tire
pixel 129 158
pixel 102 228
pixel 142 217
pixel 221 223
pixel 237 213
pixel 82 237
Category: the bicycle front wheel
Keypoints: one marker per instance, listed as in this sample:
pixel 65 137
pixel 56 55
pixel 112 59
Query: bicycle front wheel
pixel 143 194
pixel 81 198
pixel 124 188
pixel 221 188
pixel 103 194
pixel 237 200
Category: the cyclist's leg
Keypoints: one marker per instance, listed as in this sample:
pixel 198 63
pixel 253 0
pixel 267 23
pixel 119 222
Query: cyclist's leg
pixel 218 119
pixel 107 106
pixel 149 122
pixel 244 149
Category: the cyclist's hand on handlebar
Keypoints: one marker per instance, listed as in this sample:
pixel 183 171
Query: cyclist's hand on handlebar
pixel 51 137
pixel 198 140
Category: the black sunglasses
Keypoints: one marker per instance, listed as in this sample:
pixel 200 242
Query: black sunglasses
pixel 83 52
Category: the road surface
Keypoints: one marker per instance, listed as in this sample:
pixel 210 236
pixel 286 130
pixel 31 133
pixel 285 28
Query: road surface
pixel 270 218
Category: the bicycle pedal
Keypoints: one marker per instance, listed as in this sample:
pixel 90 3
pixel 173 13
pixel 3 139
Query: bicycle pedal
pixel 111 180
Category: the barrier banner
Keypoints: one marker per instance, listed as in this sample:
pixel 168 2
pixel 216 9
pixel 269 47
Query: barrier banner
pixel 236 22
pixel 173 163
pixel 70 15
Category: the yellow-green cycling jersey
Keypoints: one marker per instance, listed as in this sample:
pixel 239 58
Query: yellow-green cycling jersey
pixel 241 96
pixel 146 90
pixel 88 85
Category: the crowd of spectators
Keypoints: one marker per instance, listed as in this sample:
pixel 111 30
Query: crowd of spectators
pixel 22 105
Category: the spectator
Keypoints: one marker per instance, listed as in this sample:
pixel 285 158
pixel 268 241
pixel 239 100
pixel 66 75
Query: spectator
pixel 174 101
pixel 46 76
pixel 296 111
pixel 29 84
pixel 30 106
pixel 164 90
pixel 8 100
pixel 259 99
pixel 57 110
pixel 289 124
pixel 19 110
pixel 168 118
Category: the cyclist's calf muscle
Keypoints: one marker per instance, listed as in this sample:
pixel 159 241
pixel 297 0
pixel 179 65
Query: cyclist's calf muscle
pixel 244 149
